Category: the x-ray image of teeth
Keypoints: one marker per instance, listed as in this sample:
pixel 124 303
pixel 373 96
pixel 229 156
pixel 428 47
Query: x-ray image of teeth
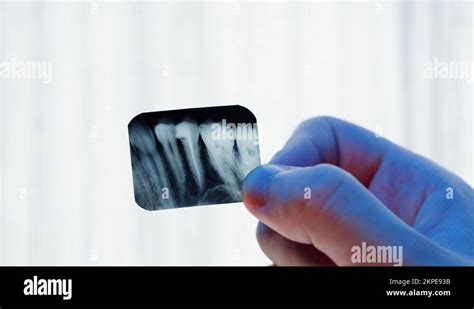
pixel 192 157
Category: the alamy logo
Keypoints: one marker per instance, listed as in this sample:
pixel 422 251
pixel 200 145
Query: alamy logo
pixel 438 69
pixel 238 131
pixel 364 254
pixel 61 287
pixel 28 70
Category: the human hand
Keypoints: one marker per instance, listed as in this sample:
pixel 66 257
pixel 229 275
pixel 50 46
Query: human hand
pixel 362 188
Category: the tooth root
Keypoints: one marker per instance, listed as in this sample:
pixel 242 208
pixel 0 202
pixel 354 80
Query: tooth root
pixel 141 186
pixel 149 173
pixel 221 153
pixel 188 132
pixel 247 145
pixel 165 133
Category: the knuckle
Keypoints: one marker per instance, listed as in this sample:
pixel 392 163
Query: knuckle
pixel 327 174
pixel 330 179
pixel 314 123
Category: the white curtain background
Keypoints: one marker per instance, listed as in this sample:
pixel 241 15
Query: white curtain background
pixel 66 183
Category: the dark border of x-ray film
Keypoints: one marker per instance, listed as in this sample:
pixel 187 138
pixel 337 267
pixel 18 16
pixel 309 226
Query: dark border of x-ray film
pixel 188 170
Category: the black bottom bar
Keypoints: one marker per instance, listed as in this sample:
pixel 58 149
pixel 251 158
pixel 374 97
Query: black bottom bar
pixel 240 285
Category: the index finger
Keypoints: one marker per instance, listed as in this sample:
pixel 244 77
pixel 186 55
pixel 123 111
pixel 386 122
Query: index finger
pixel 334 141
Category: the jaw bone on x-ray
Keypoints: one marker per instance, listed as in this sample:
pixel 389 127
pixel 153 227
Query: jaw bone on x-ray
pixel 192 157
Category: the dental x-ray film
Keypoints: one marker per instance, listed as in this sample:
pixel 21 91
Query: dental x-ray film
pixel 192 157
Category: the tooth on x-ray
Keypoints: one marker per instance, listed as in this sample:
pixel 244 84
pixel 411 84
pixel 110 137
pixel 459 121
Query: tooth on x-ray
pixel 221 154
pixel 187 132
pixel 192 157
pixel 165 133
pixel 146 158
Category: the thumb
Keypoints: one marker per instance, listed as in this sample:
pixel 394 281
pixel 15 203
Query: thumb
pixel 325 206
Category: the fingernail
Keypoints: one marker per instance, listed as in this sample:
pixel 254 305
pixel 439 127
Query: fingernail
pixel 253 189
